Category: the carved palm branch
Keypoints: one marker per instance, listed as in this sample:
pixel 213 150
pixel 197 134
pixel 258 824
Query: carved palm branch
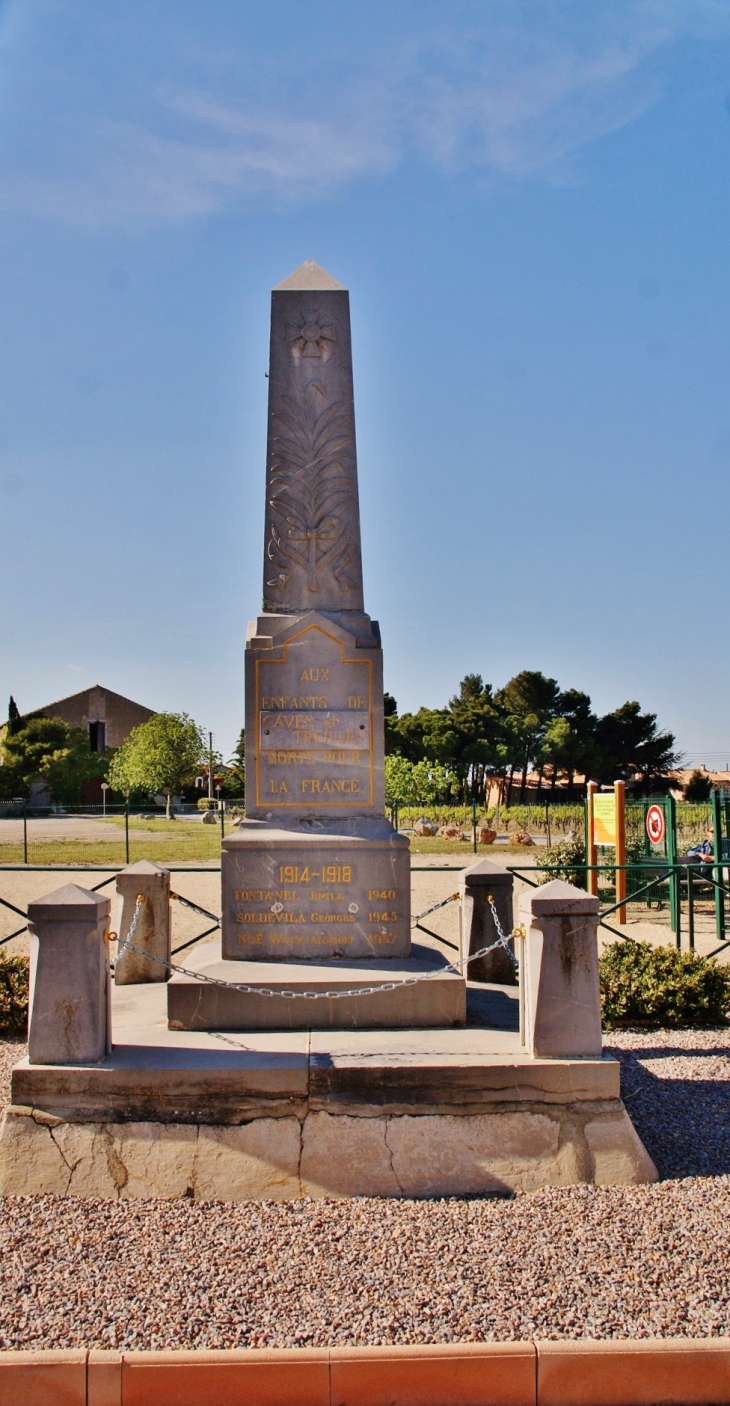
pixel 311 480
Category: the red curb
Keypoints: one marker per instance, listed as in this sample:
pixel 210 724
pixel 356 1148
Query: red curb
pixel 460 1374
pixel 673 1371
pixel 39 1378
pixel 104 1379
pixel 249 1377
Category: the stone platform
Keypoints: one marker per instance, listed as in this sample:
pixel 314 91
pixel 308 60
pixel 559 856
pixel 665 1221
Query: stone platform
pixel 280 1115
pixel 195 1005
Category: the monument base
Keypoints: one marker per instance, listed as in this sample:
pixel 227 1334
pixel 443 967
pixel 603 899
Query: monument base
pixel 315 889
pixel 439 1001
pixel 281 1115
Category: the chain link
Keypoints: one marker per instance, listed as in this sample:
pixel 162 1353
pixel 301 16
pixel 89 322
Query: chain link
pixel 248 989
pixel 127 945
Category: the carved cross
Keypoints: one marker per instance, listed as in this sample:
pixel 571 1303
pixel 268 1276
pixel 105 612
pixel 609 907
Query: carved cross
pixel 312 536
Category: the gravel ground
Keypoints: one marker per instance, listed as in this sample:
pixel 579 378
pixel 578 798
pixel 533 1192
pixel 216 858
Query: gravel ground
pixel 576 1262
pixel 676 1086
pixel 580 1262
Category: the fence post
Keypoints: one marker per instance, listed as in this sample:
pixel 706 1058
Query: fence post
pixel 675 878
pixel 126 833
pixel 68 1020
pixel 717 873
pixel 25 832
pixel 591 847
pixel 482 885
pixel 619 791
pixel 560 972
pixel 151 884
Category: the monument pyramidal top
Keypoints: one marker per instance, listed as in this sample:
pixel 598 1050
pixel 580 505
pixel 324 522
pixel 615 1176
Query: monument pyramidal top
pixel 309 278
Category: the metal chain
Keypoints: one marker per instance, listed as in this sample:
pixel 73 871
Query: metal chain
pixel 516 932
pixel 247 989
pixel 127 945
pixel 452 898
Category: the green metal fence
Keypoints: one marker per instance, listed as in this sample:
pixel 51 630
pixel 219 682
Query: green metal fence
pixel 107 834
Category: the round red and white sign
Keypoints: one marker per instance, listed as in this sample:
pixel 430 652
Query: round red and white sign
pixel 655 824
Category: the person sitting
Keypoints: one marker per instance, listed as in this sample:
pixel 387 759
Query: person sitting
pixel 702 852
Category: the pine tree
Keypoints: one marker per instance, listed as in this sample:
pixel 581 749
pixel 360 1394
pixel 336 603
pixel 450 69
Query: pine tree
pixel 15 721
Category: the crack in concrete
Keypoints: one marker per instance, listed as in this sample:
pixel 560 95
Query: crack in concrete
pixel 194 1166
pixel 391 1155
pixel 301 1153
pixel 115 1166
pixel 63 1159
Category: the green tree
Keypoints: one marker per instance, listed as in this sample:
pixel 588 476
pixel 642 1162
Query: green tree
pixel 527 704
pixel 49 750
pixel 163 754
pixel 414 783
pixel 235 783
pixel 479 747
pixel 15 722
pixel 390 718
pixel 628 742
pixel 569 743
pixel 698 787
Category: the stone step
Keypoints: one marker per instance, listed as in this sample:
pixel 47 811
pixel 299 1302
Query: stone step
pixel 194 1004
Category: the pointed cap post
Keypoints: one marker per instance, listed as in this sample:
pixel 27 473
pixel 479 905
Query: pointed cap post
pixel 68 904
pixel 309 278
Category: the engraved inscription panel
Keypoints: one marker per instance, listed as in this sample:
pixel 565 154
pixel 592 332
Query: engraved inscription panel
pixel 314 727
pixel 318 905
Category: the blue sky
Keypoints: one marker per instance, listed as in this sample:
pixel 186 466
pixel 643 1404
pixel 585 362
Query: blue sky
pixel 530 205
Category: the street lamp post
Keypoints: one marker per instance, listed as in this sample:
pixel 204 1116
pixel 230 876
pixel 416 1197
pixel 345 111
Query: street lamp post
pixel 104 789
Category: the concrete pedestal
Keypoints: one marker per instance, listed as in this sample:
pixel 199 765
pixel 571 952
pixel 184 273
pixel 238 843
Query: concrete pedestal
pixel 439 1001
pixel 279 1115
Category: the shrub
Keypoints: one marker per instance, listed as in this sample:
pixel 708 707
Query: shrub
pixel 14 973
pixel 646 985
pixel 566 861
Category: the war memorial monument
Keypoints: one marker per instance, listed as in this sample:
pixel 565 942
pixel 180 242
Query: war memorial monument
pixel 313 1049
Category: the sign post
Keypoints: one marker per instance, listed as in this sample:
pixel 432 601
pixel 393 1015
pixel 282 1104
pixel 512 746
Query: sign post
pixel 591 848
pixel 619 791
pixel 607 826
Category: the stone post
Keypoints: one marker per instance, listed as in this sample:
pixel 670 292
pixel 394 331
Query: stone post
pixel 69 1006
pixel 561 992
pixel 152 933
pixel 478 928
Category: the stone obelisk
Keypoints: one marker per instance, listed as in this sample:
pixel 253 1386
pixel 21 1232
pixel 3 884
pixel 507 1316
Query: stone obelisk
pixel 315 870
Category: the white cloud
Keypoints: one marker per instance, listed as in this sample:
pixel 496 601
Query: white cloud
pixel 511 101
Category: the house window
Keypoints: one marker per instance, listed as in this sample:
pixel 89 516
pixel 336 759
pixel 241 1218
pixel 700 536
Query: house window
pixel 97 736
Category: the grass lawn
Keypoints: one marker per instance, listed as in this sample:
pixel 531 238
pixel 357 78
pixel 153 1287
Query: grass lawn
pixel 181 841
pixel 520 853
pixel 162 842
